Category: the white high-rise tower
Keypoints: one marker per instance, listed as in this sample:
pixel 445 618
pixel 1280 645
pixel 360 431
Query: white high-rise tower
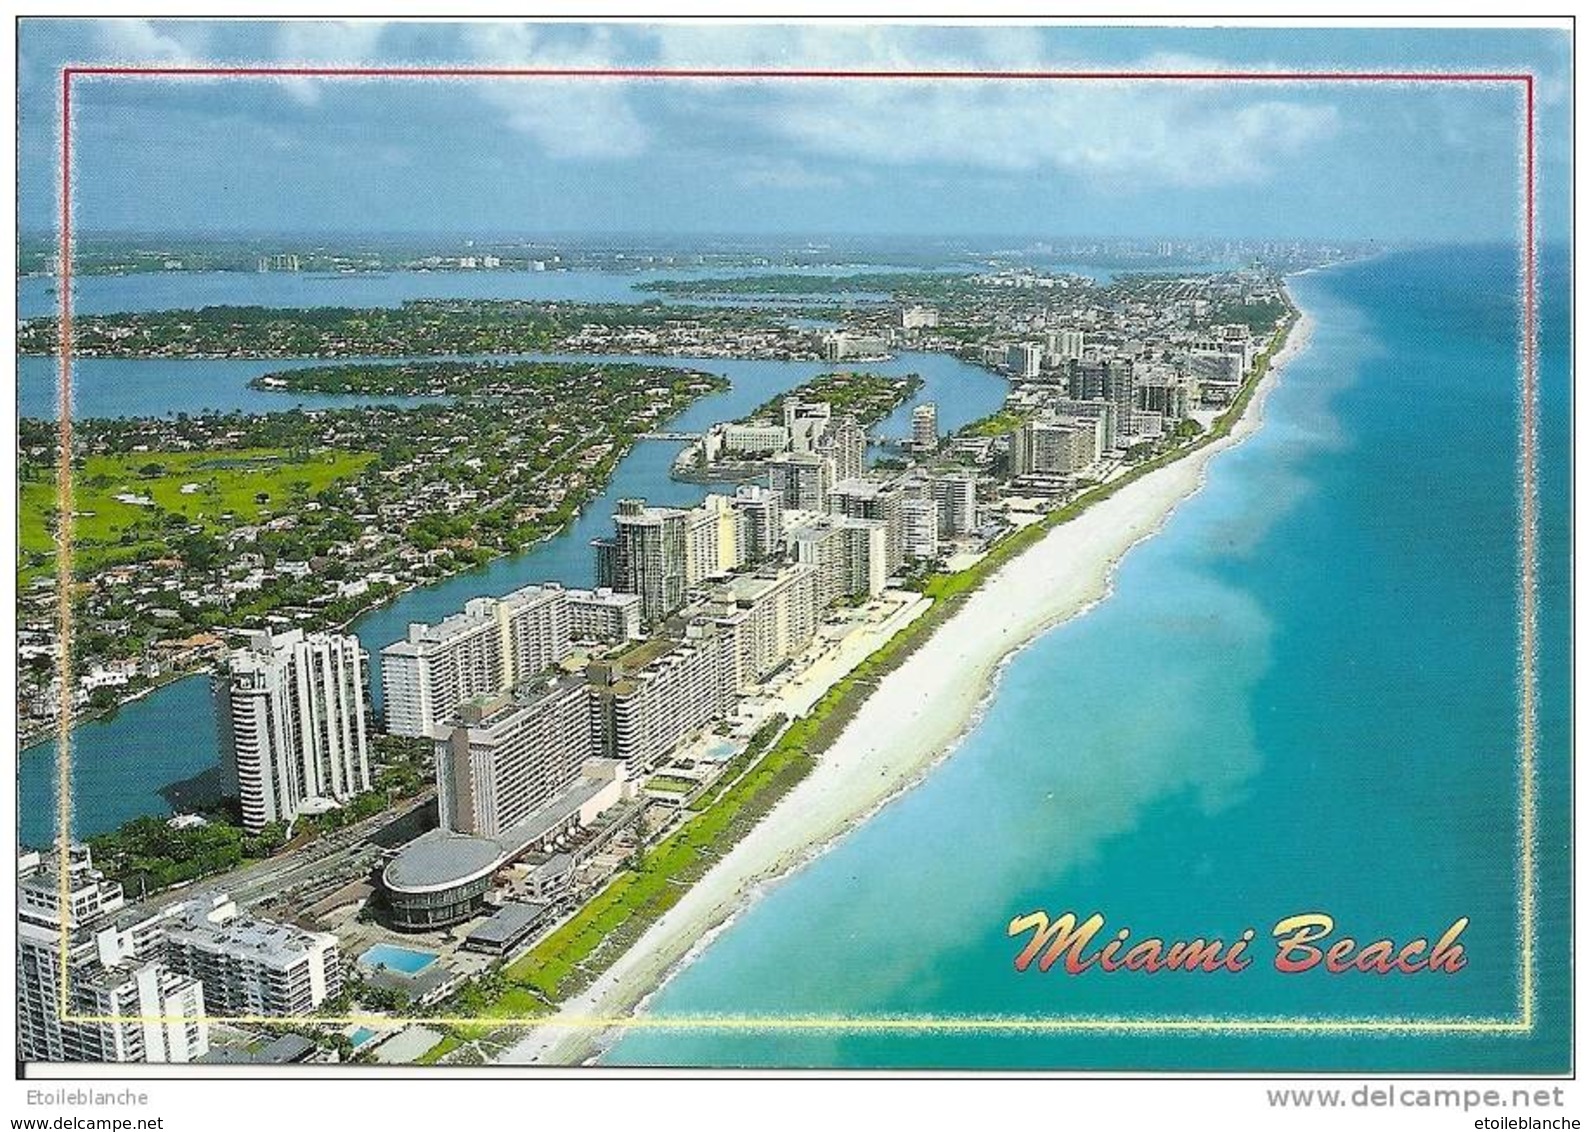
pixel 292 720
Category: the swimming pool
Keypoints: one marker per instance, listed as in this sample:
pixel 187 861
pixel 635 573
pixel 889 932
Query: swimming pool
pixel 360 1036
pixel 404 960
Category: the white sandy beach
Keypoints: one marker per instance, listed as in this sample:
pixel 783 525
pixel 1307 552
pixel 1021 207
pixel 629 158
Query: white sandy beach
pixel 915 717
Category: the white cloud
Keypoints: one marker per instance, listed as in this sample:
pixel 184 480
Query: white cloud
pixel 578 118
pixel 139 41
pixel 1116 133
pixel 346 43
pixel 1119 133
pixel 775 173
pixel 1113 135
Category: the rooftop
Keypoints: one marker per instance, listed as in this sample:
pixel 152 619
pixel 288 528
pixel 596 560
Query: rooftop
pixel 276 945
pixel 509 924
pixel 441 858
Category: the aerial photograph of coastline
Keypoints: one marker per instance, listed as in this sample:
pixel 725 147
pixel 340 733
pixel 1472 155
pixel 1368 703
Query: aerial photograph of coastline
pixel 785 546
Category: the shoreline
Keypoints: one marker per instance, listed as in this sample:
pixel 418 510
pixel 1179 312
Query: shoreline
pixel 918 715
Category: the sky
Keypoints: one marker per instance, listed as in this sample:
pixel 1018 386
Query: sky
pixel 669 156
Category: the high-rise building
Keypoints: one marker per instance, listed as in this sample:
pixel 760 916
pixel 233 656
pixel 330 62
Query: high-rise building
pixel 801 480
pixel 838 345
pixel 650 557
pixel 660 552
pixel 134 1007
pixel 1217 373
pixel 1087 381
pixel 509 755
pixel 771 615
pixel 957 497
pixel 764 512
pixel 1103 412
pixel 291 712
pixel 851 555
pixel 1022 359
pixel 603 615
pixel 844 444
pixel 805 422
pixel 752 439
pixel 715 539
pixel 491 645
pixel 534 621
pixel 1065 345
pixel 653 698
pixel 1161 390
pixel 253 967
pixel 873 499
pixel 425 677
pixel 925 427
pixel 1041 446
pixel 920 528
pixel 1119 385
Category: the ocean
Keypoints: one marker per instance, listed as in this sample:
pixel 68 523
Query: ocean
pixel 1301 697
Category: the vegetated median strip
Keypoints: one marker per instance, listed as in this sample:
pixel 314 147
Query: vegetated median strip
pixel 572 956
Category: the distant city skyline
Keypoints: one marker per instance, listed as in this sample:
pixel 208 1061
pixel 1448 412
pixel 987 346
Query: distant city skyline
pixel 1014 159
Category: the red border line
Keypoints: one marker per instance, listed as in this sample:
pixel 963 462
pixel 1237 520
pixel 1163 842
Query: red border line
pixel 1528 393
pixel 764 73
pixel 63 553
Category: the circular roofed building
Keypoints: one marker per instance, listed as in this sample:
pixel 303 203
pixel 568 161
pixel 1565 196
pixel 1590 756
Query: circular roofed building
pixel 439 879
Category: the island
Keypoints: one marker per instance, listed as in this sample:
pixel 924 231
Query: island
pixel 739 451
pixel 426 327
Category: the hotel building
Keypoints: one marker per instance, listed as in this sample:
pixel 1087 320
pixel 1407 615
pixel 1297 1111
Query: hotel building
pixel 493 644
pixel 770 616
pixel 851 556
pixel 764 517
pixel 661 692
pixel 801 480
pixel 925 427
pixel 291 712
pixel 507 756
pixel 880 500
pixel 603 615
pixel 957 497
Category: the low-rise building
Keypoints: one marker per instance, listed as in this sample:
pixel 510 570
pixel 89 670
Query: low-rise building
pixel 254 967
pixel 123 1002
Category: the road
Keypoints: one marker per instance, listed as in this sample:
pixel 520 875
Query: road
pixel 330 860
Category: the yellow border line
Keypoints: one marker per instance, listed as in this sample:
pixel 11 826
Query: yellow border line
pixel 1522 1023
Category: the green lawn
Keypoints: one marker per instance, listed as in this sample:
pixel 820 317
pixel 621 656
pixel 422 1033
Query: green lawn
pixel 108 531
pixel 671 784
pixel 998 423
pixel 436 1053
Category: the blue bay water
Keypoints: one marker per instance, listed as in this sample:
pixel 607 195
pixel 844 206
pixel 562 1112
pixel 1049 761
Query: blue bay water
pixel 121 764
pixel 167 290
pixel 1302 696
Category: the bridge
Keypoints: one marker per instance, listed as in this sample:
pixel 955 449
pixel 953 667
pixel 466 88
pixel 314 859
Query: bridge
pixel 670 436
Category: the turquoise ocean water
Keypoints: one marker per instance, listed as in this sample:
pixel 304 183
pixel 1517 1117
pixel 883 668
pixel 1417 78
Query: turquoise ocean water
pixel 1302 696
